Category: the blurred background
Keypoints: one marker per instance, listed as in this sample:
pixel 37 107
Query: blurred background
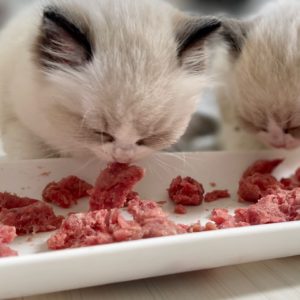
pixel 201 134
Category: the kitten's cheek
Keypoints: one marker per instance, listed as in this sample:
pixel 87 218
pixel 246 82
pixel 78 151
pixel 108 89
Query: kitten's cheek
pixel 291 142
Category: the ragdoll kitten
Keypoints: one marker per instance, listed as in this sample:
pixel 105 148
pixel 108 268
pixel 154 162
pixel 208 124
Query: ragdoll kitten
pixel 116 78
pixel 259 92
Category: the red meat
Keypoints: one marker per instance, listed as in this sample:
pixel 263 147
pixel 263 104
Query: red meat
pixel 36 217
pixel 186 191
pixel 94 228
pixel 262 167
pixel 8 201
pixel 66 192
pixel 216 195
pixel 5 251
pixel 255 186
pixel 7 234
pixel 114 185
pixel 180 209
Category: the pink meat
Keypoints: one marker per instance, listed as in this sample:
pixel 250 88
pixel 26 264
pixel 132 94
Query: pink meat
pixel 223 219
pixel 8 201
pixel 94 228
pixel 153 219
pixel 7 234
pixel 36 217
pixel 255 186
pixel 262 167
pixel 186 191
pixel 5 251
pixel 216 195
pixel 180 209
pixel 66 192
pixel 113 186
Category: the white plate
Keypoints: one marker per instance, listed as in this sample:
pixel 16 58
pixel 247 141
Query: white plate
pixel 39 270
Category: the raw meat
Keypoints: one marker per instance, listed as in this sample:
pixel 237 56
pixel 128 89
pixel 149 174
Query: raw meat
pixel 33 218
pixel 186 191
pixel 180 209
pixel 262 167
pixel 253 187
pixel 114 185
pixel 66 192
pixel 216 195
pixel 94 228
pixel 7 234
pixel 5 251
pixel 281 206
pixel 153 219
pixel 8 201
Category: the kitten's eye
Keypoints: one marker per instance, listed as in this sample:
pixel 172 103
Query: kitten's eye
pixel 141 142
pixel 295 132
pixel 104 136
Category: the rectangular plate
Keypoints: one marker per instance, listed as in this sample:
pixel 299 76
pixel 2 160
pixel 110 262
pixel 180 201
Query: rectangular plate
pixel 39 270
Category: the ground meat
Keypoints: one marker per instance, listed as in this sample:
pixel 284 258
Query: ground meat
pixel 186 191
pixel 153 219
pixel 281 206
pixel 253 187
pixel 262 167
pixel 9 201
pixel 180 209
pixel 209 226
pixel 94 228
pixel 216 195
pixel 114 185
pixel 5 251
pixel 36 217
pixel 7 234
pixel 292 182
pixel 66 192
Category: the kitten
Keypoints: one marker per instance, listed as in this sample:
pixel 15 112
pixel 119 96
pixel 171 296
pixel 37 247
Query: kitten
pixel 259 67
pixel 118 79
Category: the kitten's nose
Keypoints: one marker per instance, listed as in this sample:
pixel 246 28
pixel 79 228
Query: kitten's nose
pixel 124 153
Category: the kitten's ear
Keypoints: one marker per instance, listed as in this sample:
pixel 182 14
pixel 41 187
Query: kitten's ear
pixel 234 32
pixel 192 34
pixel 61 43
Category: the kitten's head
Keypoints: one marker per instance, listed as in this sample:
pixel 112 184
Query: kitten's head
pixel 263 73
pixel 123 76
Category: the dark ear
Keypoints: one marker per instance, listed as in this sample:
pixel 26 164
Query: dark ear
pixel 234 32
pixel 61 42
pixel 192 35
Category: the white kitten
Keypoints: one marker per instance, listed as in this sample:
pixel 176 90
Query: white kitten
pixel 260 72
pixel 116 78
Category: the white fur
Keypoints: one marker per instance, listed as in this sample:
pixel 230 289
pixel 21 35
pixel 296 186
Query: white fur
pixel 134 82
pixel 260 94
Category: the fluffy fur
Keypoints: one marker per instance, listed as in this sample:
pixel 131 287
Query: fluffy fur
pixel 259 67
pixel 135 95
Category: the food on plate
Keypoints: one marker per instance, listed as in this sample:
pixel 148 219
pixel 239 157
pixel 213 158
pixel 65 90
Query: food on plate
pixel 180 209
pixel 216 195
pixel 28 215
pixel 7 235
pixel 114 185
pixel 66 192
pixel 186 191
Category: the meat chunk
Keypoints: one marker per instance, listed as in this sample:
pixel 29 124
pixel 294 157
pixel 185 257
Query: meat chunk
pixel 186 191
pixel 94 228
pixel 5 251
pixel 180 209
pixel 114 185
pixel 66 192
pixel 7 234
pixel 253 187
pixel 216 195
pixel 262 167
pixel 33 218
pixel 153 219
pixel 8 201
